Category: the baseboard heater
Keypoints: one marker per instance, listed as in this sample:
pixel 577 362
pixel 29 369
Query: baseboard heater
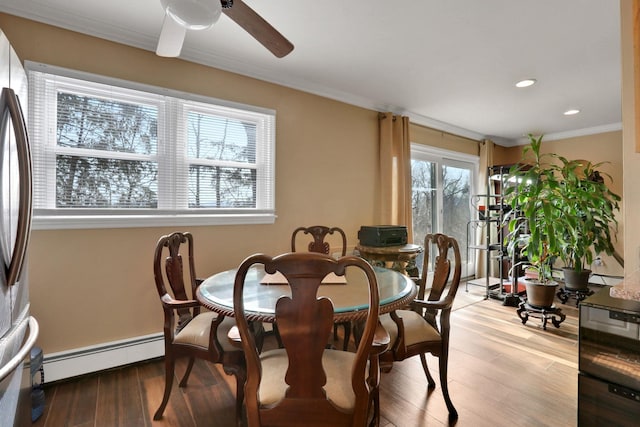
pixel 80 361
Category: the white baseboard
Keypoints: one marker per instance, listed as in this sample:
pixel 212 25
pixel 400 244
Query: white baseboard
pixel 79 361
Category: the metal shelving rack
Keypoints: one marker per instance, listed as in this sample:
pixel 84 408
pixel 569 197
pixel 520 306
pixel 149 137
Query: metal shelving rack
pixel 492 210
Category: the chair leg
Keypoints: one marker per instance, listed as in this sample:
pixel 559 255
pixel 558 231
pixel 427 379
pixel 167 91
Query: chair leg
pixel 185 378
pixel 347 335
pixel 169 365
pixel 423 359
pixel 241 378
pixel 257 329
pixel 374 410
pixel 443 362
pixel 276 332
pixel 356 327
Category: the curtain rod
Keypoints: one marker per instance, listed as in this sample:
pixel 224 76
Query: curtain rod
pixel 382 115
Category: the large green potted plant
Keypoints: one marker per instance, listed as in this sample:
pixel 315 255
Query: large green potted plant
pixel 589 209
pixel 567 207
pixel 533 193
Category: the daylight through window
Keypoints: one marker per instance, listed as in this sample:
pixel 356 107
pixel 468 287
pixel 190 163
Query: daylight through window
pixel 111 155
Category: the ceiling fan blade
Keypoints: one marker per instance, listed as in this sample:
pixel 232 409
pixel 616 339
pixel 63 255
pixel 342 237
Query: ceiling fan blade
pixel 171 38
pixel 260 29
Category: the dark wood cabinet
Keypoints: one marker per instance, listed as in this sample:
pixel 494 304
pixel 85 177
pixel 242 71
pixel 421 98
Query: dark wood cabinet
pixel 605 404
pixel 609 361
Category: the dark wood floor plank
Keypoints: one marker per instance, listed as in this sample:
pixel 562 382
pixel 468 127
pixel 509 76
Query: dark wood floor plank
pixel 230 380
pixel 212 403
pixel 119 401
pixel 151 368
pixel 72 403
pixel 176 414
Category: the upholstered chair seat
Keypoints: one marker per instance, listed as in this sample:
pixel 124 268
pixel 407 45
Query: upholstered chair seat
pixel 197 332
pixel 416 330
pixel 338 387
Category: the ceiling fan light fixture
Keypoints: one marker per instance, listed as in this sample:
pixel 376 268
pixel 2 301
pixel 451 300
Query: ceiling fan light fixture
pixel 183 15
pixel 526 83
pixel 193 14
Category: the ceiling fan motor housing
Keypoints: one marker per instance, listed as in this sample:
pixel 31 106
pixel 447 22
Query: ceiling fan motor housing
pixel 193 14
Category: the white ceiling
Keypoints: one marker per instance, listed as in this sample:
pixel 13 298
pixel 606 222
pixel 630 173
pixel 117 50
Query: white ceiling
pixel 448 64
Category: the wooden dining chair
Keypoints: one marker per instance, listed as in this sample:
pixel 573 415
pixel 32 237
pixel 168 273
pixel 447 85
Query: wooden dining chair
pixel 425 327
pixel 305 383
pixel 320 244
pixel 189 332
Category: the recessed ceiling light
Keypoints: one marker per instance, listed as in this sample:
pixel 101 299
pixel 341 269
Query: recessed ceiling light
pixel 571 112
pixel 526 83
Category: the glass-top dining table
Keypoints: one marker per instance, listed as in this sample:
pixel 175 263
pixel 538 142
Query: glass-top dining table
pixel 349 297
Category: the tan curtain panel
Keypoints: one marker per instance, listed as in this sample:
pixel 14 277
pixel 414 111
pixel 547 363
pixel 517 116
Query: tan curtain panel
pixel 395 171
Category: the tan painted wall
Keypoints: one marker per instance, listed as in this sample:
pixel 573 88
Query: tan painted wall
pixel 631 159
pixel 94 286
pixel 505 155
pixel 435 138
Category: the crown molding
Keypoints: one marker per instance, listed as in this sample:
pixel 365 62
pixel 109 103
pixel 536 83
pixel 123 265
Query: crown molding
pixel 575 133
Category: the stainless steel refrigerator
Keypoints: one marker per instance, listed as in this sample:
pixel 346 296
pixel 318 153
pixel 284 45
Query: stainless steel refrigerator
pixel 18 329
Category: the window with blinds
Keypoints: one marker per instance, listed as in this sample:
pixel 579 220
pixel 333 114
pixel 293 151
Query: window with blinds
pixel 111 153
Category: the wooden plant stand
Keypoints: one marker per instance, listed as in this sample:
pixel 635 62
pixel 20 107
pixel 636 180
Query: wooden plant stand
pixel 526 310
pixel 579 294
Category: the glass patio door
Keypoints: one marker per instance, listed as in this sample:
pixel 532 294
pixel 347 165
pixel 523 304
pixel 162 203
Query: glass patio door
pixel 442 184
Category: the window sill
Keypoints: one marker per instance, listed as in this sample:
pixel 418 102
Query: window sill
pixel 66 222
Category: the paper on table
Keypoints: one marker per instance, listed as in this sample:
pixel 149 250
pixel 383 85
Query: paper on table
pixel 278 278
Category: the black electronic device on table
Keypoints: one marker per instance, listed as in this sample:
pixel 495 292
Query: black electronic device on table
pixel 382 235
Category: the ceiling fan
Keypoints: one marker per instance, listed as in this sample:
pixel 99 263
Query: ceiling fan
pixel 183 15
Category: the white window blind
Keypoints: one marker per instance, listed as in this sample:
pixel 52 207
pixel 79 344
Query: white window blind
pixel 112 153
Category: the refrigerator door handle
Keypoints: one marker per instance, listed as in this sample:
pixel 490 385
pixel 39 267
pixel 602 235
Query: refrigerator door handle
pixel 22 353
pixel 10 104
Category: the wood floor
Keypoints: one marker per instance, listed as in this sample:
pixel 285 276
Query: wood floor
pixel 501 373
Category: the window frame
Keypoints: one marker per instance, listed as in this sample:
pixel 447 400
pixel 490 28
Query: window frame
pixel 441 157
pixel 171 157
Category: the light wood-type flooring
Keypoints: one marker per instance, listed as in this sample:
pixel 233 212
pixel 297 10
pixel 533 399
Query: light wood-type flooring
pixel 501 373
